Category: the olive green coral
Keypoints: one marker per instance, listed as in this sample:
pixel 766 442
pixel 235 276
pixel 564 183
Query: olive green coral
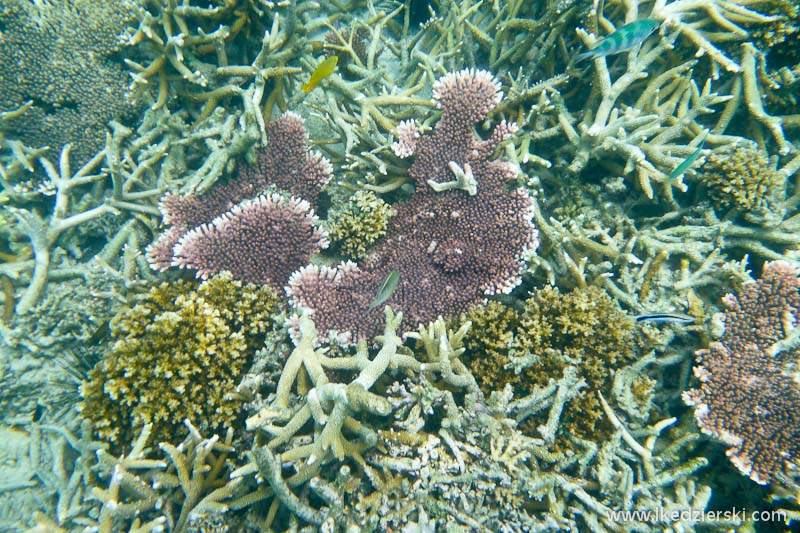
pixel 359 224
pixel 744 179
pixel 488 343
pixel 583 328
pixel 179 354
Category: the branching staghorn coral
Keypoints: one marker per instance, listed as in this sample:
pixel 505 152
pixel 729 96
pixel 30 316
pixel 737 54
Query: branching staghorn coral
pixel 342 413
pixel 145 490
pixel 368 102
pixel 440 455
pixel 663 260
pixel 45 232
pixel 640 137
pixel 774 124
pixel 162 153
pixel 695 20
pixel 200 53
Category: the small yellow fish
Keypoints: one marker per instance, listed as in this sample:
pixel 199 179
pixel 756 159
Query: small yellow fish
pixel 322 71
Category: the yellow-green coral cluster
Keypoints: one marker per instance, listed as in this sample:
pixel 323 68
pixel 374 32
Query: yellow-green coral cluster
pixel 744 179
pixel 178 354
pixel 488 343
pixel 584 328
pixel 359 224
pixel 781 36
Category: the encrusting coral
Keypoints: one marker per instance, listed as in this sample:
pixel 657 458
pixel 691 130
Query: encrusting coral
pixel 58 55
pixel 459 238
pixel 178 354
pixel 240 226
pixel 748 396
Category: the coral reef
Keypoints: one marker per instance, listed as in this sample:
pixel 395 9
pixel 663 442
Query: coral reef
pixel 463 231
pixel 239 227
pixel 200 55
pixel 67 214
pixel 651 180
pixel 173 488
pixel 175 355
pixel 406 440
pixel 748 397
pixel 59 55
pixel 55 345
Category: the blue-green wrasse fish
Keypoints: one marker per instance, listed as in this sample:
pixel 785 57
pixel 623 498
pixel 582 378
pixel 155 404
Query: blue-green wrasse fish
pixel 688 162
pixel 675 318
pixel 627 37
pixel 386 289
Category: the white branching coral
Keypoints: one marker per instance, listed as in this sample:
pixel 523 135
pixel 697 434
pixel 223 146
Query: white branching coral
pixel 648 134
pixel 700 21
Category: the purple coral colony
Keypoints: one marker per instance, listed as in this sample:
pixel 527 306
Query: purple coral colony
pixel 451 247
pixel 399 266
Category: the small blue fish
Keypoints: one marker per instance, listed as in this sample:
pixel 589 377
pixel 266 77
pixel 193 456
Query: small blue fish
pixel 386 289
pixel 676 318
pixel 683 167
pixel 627 37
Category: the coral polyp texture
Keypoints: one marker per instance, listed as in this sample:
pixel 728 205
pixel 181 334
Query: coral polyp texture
pixel 582 330
pixel 749 396
pixel 742 178
pixel 176 355
pixel 356 226
pixel 240 226
pixel 458 239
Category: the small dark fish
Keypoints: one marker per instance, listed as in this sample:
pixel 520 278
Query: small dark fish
pixel 625 38
pixel 386 289
pixel 677 318
pixel 683 167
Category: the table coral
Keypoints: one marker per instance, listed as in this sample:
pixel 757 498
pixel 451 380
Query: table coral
pixel 748 396
pixel 178 354
pixel 460 237
pixel 239 226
